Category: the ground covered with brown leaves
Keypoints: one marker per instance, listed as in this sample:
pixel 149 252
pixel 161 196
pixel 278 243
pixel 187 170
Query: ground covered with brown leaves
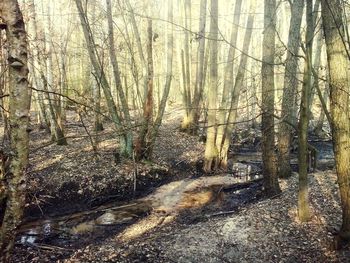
pixel 237 226
pixel 264 231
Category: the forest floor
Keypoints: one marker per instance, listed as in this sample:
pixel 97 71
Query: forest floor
pixel 82 206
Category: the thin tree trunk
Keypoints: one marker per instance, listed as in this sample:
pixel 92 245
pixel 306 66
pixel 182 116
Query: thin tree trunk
pixel 285 131
pixel 303 195
pixel 271 186
pixel 316 66
pixel 187 49
pixel 167 85
pixel 125 149
pixel 228 82
pixel 191 118
pixel 225 138
pixel 117 78
pixel 57 132
pixel 321 118
pixel 139 48
pixel 338 63
pixel 192 125
pixel 18 120
pixel 211 152
pixel 141 148
pixel 96 89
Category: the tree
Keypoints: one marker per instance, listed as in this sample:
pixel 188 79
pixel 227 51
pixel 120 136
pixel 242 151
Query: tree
pixel 192 114
pixel 338 63
pixel 57 132
pixel 228 84
pixel 211 152
pixel 289 90
pixel 223 140
pixel 15 176
pixel 167 85
pixel 271 186
pixel 117 78
pixel 143 139
pixel 303 202
pixel 96 89
pixel 126 147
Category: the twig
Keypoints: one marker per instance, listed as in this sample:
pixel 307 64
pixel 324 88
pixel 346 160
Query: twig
pixel 222 213
pixel 47 247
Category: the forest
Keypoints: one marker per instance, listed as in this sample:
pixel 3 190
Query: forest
pixel 174 131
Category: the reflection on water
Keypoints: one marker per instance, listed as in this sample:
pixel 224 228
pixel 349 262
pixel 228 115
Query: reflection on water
pixel 30 237
pixel 199 192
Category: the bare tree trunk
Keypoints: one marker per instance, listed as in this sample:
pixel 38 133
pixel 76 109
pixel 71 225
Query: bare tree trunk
pixel 34 66
pixel 285 131
pixel 117 78
pixel 169 74
pixel 271 186
pixel 211 152
pixel 228 123
pixel 57 132
pixel 96 89
pixel 338 63
pixel 303 195
pixel 321 118
pixel 228 81
pixel 139 48
pixel 125 149
pixel 15 177
pixel 316 68
pixel 191 118
pixel 143 140
pixel 187 53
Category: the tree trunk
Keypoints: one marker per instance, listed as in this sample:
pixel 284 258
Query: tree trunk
pixel 117 78
pixel 316 68
pixel 225 138
pixel 321 118
pixel 338 63
pixel 15 178
pixel 285 131
pixel 211 152
pixel 53 107
pixel 125 148
pixel 169 74
pixel 139 48
pixel 96 89
pixel 228 85
pixel 303 195
pixel 141 148
pixel 191 118
pixel 271 186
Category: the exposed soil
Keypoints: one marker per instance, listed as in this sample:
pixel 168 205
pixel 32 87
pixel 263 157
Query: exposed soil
pixel 85 208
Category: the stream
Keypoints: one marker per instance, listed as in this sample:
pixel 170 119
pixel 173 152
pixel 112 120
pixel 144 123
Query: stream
pixel 234 189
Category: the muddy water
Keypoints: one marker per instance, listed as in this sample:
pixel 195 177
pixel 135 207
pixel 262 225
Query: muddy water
pixel 167 199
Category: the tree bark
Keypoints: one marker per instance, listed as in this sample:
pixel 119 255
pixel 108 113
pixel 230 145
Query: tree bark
pixel 271 186
pixel 225 138
pixel 303 194
pixel 167 85
pixel 53 107
pixel 228 85
pixel 191 118
pixel 125 148
pixel 285 131
pixel 15 177
pixel 117 78
pixel 143 140
pixel 211 152
pixel 338 63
